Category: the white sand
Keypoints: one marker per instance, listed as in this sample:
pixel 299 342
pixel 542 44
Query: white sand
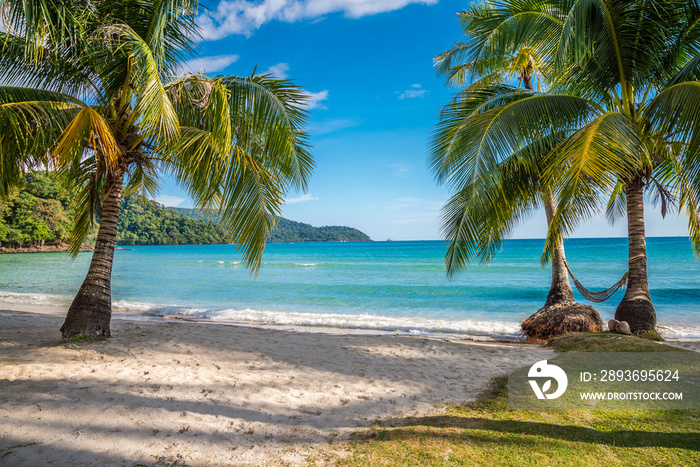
pixel 166 391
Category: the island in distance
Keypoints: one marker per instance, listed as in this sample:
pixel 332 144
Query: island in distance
pixel 37 218
pixel 292 231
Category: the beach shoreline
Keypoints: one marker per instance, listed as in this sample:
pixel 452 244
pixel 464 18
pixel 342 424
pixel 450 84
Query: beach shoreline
pixel 397 287
pixel 201 393
pixel 62 248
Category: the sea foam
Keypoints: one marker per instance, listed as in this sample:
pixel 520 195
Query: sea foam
pixel 335 320
pixel 35 299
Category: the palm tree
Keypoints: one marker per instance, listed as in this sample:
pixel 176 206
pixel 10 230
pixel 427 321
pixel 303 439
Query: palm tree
pixel 488 204
pixel 636 65
pixel 91 98
pixel 625 98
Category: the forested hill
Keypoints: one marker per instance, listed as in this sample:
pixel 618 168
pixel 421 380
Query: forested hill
pixel 292 231
pixel 38 215
pixel 145 222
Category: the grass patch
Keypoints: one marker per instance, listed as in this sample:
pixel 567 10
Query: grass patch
pixel 607 342
pixel 486 433
pixel 82 339
pixel 651 334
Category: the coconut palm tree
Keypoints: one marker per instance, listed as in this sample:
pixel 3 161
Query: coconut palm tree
pixel 625 96
pixel 636 65
pixel 486 208
pixel 94 93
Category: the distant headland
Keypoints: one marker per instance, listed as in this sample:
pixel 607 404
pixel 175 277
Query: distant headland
pixel 36 218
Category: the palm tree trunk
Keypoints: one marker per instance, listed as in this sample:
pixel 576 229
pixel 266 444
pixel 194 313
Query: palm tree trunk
pixel 561 313
pixel 91 310
pixel 560 292
pixel 636 307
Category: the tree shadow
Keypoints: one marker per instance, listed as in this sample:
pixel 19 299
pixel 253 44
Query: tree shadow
pixel 483 429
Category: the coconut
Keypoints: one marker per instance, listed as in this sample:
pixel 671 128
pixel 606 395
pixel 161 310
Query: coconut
pixel 623 327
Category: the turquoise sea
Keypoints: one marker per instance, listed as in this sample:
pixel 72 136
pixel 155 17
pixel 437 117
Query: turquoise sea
pixel 395 286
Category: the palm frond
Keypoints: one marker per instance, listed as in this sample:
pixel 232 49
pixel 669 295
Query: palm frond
pixel 62 71
pixel 479 216
pixel 617 204
pixel 88 129
pixel 466 145
pixel 687 186
pixel 153 110
pixel 85 180
pixel 143 178
pixel 244 147
pixel 269 119
pixel 31 121
pixel 588 165
pixel 674 115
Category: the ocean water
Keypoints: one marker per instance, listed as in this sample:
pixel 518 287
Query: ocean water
pixel 394 286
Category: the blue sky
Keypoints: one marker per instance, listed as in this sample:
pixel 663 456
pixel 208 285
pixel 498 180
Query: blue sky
pixel 367 65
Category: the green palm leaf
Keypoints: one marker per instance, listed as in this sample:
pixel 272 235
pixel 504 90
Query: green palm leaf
pixel 466 145
pixel 153 110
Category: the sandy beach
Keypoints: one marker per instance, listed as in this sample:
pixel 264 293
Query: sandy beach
pixel 168 391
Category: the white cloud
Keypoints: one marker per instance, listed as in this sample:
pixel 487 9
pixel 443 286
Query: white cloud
pixel 210 64
pixel 170 200
pixel 278 71
pixel 301 199
pixel 245 16
pixel 329 126
pixel 416 91
pixel 400 170
pixel 316 100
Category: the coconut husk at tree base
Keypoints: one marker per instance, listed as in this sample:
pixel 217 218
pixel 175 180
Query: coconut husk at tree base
pixel 560 319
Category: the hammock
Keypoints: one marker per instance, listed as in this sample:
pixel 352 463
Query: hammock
pixel 597 297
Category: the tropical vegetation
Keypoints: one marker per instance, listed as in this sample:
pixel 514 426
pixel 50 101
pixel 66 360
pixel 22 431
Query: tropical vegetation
pixel 484 209
pixel 38 214
pixel 146 222
pixel 97 93
pixel 291 231
pixel 621 120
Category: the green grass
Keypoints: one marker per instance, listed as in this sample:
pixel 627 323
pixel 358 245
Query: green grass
pixel 607 342
pixel 487 433
pixel 81 339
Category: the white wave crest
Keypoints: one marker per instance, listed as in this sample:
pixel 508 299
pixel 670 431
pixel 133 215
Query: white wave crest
pixel 671 330
pixel 335 320
pixel 208 262
pixel 35 299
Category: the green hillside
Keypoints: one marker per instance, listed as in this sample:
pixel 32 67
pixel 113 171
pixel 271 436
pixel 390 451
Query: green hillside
pixel 38 215
pixel 145 222
pixel 292 231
